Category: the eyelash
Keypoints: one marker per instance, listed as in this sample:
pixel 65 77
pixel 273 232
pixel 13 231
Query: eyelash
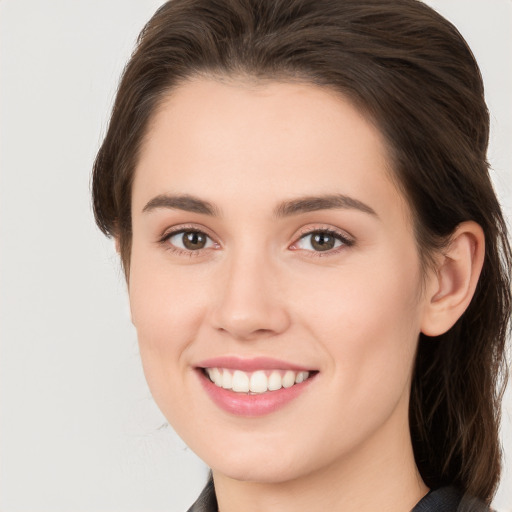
pixel 343 238
pixel 164 240
pixel 337 235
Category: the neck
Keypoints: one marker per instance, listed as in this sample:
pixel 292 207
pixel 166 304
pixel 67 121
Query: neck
pixel 379 475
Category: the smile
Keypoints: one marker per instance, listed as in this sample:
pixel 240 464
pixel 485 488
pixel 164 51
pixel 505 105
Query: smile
pixel 253 387
pixel 257 382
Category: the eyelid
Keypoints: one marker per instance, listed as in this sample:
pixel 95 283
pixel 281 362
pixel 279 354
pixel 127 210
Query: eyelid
pixel 324 228
pixel 342 235
pixel 346 239
pixel 163 239
pixel 178 228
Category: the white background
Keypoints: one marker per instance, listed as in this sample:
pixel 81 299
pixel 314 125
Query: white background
pixel 79 430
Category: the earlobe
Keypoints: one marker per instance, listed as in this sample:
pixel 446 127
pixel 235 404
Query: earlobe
pixel 451 289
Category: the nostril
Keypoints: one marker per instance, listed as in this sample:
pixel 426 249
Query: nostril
pixel 252 322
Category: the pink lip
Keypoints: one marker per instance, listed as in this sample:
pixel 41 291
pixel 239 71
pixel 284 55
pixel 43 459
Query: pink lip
pixel 245 404
pixel 250 365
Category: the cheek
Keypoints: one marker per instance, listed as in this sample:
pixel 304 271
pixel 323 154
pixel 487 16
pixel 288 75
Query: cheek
pixel 368 329
pixel 368 320
pixel 166 309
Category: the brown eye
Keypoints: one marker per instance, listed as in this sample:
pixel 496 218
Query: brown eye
pixel 322 241
pixel 190 240
pixel 194 240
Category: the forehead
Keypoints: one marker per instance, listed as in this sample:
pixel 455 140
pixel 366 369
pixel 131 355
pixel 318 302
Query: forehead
pixel 261 140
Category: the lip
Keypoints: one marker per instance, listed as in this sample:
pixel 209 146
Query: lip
pixel 251 365
pixel 246 404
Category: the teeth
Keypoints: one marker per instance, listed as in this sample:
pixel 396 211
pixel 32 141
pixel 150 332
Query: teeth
pixel 259 381
pixel 226 380
pixel 275 381
pixel 216 377
pixel 288 379
pixel 240 382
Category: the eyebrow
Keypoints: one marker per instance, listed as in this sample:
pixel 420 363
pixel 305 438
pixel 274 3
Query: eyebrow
pixel 285 209
pixel 325 202
pixel 182 202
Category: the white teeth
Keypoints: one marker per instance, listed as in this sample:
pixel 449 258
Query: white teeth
pixel 256 382
pixel 240 382
pixel 226 380
pixel 216 377
pixel 301 377
pixel 275 381
pixel 288 379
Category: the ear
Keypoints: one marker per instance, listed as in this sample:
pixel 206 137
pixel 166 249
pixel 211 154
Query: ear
pixel 451 288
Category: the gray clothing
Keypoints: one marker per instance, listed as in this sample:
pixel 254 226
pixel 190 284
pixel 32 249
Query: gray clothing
pixel 445 499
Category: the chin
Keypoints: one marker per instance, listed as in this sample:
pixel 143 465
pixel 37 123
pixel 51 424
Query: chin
pixel 262 466
pixel 268 473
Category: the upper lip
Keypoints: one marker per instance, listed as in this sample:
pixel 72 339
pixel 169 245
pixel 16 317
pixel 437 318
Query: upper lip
pixel 251 364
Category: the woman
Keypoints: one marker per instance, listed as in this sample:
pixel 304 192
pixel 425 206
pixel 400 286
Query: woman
pixel 318 267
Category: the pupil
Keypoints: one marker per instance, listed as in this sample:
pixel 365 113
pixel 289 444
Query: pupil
pixel 322 241
pixel 194 240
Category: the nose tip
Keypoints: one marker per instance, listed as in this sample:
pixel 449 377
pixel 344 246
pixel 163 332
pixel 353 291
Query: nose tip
pixel 251 326
pixel 250 317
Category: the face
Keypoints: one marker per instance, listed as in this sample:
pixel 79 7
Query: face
pixel 275 283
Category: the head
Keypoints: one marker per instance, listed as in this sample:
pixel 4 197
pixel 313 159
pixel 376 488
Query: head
pixel 411 77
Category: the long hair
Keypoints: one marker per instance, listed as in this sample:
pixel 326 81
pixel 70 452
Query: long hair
pixel 408 70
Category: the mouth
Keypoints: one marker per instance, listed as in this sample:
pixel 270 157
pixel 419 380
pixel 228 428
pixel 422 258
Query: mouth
pixel 253 387
pixel 255 382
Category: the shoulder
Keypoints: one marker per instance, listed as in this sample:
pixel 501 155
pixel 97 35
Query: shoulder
pixel 449 499
pixel 207 502
pixel 445 499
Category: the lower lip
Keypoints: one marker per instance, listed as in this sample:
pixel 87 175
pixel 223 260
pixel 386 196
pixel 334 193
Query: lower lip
pixel 244 404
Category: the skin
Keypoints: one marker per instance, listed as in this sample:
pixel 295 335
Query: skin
pixel 353 313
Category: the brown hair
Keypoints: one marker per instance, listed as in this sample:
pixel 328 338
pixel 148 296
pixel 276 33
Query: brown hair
pixel 411 72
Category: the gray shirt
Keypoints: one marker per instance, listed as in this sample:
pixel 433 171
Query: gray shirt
pixel 445 499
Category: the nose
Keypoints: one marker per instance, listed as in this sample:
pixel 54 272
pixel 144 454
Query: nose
pixel 250 304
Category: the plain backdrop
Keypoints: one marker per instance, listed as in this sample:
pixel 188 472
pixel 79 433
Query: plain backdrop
pixel 79 430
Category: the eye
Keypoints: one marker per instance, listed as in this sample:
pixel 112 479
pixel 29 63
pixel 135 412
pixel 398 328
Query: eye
pixel 189 240
pixel 321 241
